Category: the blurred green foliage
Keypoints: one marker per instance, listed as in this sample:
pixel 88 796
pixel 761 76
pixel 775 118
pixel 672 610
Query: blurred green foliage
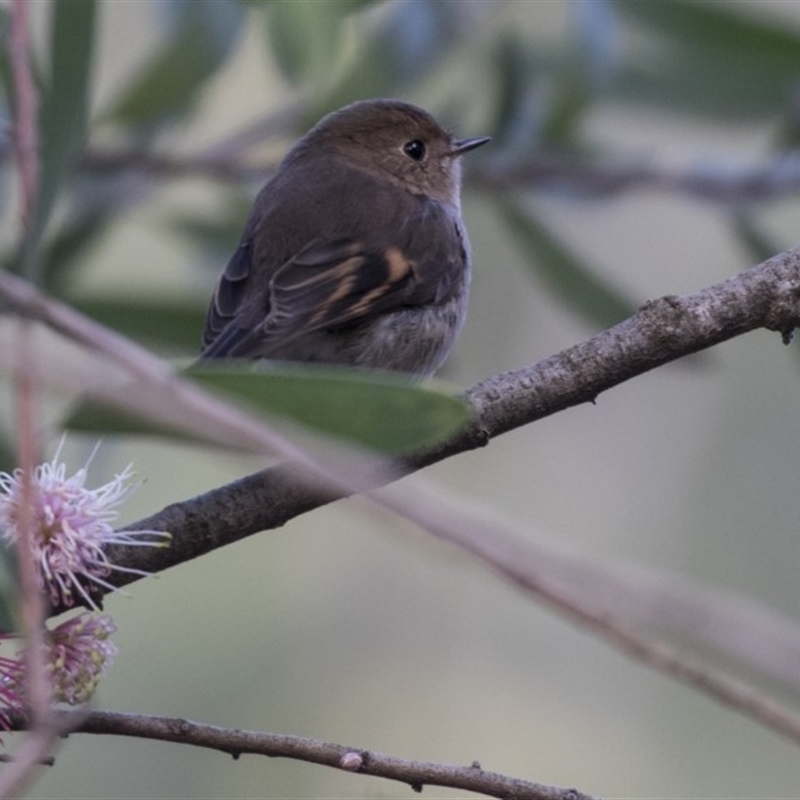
pixel 712 59
pixel 199 39
pixel 473 64
pixel 483 67
pixel 341 403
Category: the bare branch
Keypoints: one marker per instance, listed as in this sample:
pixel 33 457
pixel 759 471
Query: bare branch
pixel 416 774
pixel 221 167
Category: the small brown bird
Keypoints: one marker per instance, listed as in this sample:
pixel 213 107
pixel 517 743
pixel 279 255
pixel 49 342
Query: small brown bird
pixel 355 251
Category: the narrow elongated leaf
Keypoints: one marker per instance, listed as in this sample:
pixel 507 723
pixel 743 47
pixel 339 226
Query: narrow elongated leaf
pixel 520 107
pixel 714 59
pixel 728 28
pixel 7 454
pixel 304 37
pixel 202 37
pixel 5 71
pixel 596 29
pixel 9 590
pixel 585 72
pixel 97 417
pixel 381 411
pixel 568 106
pixel 64 110
pixel 569 279
pixel 399 48
pixel 63 252
pixel 172 323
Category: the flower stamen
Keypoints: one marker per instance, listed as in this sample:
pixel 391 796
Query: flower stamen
pixel 71 527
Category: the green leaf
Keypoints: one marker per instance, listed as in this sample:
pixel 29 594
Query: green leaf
pixel 97 417
pixel 588 66
pixel 5 70
pixel 64 251
pixel 519 108
pixel 64 112
pixel 9 590
pixel 399 49
pixel 569 279
pixel 214 235
pixel 201 38
pixel 8 456
pixel 710 58
pixel 381 411
pixel 172 323
pixel 304 36
pixel 568 106
pixel 727 28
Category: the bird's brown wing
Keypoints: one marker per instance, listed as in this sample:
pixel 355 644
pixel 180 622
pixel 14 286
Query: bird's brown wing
pixel 226 303
pixel 328 285
pixel 333 284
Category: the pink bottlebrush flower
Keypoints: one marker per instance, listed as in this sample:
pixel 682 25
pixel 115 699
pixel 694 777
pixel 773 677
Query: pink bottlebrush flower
pixel 71 526
pixel 80 653
pixel 11 676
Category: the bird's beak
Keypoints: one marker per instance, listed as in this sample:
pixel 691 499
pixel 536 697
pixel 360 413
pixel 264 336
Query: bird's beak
pixel 461 146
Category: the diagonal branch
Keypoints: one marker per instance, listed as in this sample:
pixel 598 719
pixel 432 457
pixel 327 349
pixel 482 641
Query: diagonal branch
pixel 766 296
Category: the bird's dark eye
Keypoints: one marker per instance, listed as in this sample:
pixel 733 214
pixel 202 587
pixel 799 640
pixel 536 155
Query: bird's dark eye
pixel 414 149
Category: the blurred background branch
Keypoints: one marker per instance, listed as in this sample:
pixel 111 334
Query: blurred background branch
pixel 729 184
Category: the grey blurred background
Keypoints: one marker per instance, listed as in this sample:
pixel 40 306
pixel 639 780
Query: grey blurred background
pixel 349 624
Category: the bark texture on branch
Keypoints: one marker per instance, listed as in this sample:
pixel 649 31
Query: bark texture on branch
pixel 663 330
pixel 236 742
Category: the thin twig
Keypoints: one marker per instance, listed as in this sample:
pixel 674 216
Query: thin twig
pixel 45 729
pixel 32 603
pixel 36 750
pixel 416 774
